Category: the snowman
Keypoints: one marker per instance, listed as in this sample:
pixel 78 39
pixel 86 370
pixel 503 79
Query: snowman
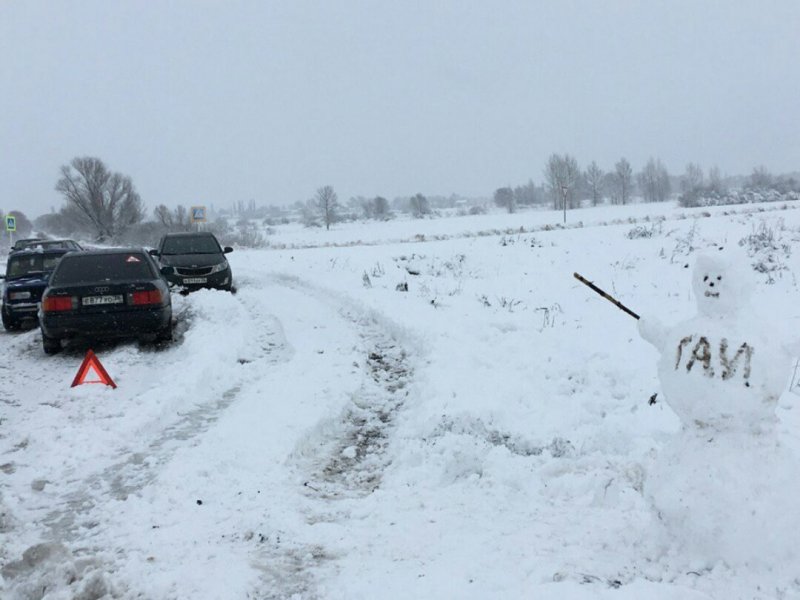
pixel 723 487
pixel 722 369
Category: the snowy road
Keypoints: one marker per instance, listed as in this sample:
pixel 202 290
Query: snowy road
pixel 184 466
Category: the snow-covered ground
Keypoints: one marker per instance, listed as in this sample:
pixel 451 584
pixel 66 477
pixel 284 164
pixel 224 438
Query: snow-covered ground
pixel 378 415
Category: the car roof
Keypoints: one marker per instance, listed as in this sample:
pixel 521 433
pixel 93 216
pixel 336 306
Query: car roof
pixel 43 242
pixel 189 234
pixel 106 251
pixel 38 252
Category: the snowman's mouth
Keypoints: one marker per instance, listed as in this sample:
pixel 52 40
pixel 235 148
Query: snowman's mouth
pixel 712 294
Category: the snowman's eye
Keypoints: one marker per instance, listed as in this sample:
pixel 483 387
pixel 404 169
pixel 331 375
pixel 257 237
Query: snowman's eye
pixel 705 278
pixel 719 277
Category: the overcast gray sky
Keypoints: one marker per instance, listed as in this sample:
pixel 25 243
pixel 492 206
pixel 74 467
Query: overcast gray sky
pixel 212 102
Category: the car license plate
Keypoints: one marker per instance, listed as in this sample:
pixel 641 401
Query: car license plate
pixel 95 300
pixel 191 280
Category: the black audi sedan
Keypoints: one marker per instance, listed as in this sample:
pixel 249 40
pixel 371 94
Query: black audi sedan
pixel 26 277
pixel 195 260
pixel 118 293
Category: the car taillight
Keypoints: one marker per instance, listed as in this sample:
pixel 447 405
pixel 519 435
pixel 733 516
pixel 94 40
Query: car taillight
pixel 57 303
pixel 145 297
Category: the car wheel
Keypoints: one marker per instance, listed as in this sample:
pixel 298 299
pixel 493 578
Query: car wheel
pixel 50 345
pixel 165 335
pixel 8 322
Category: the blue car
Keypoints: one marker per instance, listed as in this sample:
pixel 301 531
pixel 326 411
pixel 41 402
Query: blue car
pixel 27 274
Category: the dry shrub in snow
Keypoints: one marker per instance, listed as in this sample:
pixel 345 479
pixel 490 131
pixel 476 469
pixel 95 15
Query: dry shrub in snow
pixel 767 249
pixel 643 231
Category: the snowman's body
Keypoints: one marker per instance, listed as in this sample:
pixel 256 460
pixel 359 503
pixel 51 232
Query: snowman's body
pixel 721 370
pixel 723 486
pixel 722 374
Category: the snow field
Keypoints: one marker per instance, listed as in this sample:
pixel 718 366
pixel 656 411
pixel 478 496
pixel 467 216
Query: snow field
pixel 486 434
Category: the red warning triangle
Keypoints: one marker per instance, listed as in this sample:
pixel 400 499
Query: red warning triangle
pixel 91 364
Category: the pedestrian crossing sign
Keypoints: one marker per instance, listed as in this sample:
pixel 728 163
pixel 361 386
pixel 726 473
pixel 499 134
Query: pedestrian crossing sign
pixel 198 214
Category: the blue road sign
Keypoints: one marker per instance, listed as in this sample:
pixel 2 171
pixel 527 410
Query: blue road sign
pixel 198 214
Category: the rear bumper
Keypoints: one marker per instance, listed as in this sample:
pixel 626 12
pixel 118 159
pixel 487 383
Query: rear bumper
pixel 21 309
pixel 106 325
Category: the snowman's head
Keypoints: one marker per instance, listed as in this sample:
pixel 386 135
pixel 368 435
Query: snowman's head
pixel 720 284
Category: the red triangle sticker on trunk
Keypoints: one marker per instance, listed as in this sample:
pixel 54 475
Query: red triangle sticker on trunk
pixel 91 364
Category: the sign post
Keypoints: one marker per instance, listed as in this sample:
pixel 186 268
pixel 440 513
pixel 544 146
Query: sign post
pixel 198 215
pixel 11 227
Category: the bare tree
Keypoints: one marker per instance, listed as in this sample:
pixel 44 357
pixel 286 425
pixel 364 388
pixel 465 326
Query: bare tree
pixel 182 215
pixel 594 179
pixel 761 179
pixel 372 208
pixel 361 204
pixel 561 175
pixel 693 178
pixel 691 185
pixel 310 213
pixel 623 176
pixel 526 195
pixel 380 208
pixel 654 181
pixel 419 206
pixel 328 205
pixel 173 220
pixel 106 201
pixel 504 198
pixel 663 182
pixel 715 184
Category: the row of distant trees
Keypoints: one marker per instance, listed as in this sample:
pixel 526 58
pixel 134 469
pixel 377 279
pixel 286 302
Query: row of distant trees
pixel 104 205
pixel 324 208
pixel 565 183
pixel 697 189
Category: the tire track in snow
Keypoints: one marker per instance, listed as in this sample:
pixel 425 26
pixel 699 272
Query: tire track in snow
pixel 349 452
pixel 14 344
pixel 139 468
pixel 343 457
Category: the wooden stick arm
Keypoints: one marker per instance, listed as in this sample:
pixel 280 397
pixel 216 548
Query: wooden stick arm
pixel 608 297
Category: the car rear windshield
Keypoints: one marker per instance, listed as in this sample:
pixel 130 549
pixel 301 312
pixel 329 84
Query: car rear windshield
pixel 90 268
pixel 20 266
pixel 189 244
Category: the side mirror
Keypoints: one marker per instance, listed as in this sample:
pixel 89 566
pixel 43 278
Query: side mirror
pixel 167 271
pixel 153 252
pixel 227 250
